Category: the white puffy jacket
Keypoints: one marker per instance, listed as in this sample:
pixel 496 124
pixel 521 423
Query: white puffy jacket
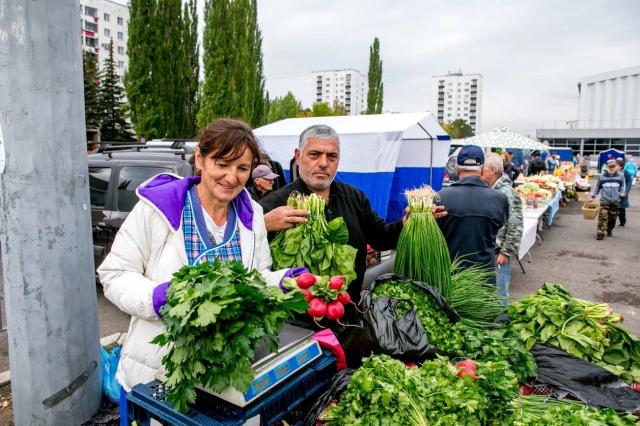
pixel 148 249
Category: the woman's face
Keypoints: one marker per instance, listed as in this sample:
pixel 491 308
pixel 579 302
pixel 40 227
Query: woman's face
pixel 224 179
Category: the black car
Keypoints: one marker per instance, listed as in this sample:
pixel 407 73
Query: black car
pixel 114 175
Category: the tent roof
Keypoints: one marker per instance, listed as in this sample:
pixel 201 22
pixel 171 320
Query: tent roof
pixel 501 137
pixel 355 124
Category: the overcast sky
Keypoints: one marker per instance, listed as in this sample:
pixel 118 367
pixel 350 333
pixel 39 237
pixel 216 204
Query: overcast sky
pixel 531 53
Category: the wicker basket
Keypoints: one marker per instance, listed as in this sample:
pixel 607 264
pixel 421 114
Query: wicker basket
pixel 590 210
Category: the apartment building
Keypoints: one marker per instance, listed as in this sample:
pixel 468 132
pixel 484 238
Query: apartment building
pixel 459 96
pixel 347 86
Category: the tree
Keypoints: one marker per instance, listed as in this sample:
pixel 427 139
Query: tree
pixel 192 66
pixel 92 113
pixel 285 107
pixel 375 93
pixel 114 126
pixel 457 129
pixel 338 108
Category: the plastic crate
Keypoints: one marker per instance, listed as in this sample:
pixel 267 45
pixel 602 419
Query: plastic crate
pixel 146 401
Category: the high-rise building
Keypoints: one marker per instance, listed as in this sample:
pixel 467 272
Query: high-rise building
pixel 348 87
pixel 459 96
pixel 102 21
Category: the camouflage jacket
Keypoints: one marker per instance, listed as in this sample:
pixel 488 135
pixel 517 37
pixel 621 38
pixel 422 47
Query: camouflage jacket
pixel 510 235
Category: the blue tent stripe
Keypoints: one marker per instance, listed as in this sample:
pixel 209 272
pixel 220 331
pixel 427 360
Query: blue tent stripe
pixel 406 178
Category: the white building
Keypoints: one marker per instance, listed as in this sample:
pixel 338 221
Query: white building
pixel 608 115
pixel 459 96
pixel 348 87
pixel 610 100
pixel 102 21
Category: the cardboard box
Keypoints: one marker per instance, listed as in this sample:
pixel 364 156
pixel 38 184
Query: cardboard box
pixel 583 196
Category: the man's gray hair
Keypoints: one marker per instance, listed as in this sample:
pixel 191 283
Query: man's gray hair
pixel 493 160
pixel 319 131
pixel 469 168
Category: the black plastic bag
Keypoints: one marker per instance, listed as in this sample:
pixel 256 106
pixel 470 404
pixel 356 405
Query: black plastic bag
pixel 585 381
pixel 384 333
pixel 339 383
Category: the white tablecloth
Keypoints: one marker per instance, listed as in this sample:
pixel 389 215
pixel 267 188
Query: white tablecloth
pixel 529 228
pixel 534 213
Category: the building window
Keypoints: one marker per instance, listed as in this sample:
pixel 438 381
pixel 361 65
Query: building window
pixel 90 11
pixel 90 26
pixel 120 36
pixel 107 32
pixel 120 21
pixel 120 50
pixel 105 17
pixel 120 64
pixel 105 46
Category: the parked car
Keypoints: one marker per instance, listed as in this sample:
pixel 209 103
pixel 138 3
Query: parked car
pixel 114 175
pixel 450 175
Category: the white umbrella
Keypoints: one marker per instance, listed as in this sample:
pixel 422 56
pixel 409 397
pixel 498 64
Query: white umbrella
pixel 501 137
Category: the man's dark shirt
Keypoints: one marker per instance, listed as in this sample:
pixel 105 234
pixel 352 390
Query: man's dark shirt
pixel 364 225
pixel 511 170
pixel 475 214
pixel 536 166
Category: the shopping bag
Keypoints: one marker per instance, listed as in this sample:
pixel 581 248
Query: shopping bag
pixel 110 386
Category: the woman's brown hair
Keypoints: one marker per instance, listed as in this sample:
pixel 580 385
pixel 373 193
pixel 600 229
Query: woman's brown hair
pixel 227 139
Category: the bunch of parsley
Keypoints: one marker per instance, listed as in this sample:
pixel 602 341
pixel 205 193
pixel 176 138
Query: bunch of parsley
pixel 216 316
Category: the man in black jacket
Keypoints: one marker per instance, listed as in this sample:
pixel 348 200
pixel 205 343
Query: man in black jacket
pixel 318 156
pixel 475 212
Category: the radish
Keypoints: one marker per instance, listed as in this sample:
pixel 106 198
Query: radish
pixel 317 308
pixel 307 294
pixel 305 280
pixel 469 373
pixel 344 298
pixel 336 282
pixel 335 310
pixel 466 364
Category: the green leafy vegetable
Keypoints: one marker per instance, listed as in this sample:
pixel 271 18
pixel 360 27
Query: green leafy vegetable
pixel 215 317
pixel 320 246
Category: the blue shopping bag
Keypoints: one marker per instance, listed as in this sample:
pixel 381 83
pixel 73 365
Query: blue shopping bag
pixel 110 386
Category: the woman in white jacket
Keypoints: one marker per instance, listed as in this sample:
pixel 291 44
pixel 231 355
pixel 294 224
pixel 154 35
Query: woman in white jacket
pixel 182 221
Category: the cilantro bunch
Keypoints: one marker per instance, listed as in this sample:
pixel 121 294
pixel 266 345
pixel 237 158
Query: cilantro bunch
pixel 318 245
pixel 216 316
pixel 386 392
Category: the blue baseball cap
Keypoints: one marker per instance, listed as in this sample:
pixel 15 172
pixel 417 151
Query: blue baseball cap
pixel 470 155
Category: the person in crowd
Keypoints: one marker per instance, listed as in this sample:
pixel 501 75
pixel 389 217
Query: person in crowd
pixel 179 221
pixel 475 212
pixel 632 168
pixel 317 157
pixel 510 169
pixel 628 182
pixel 584 166
pixel 550 163
pixel 510 234
pixel 611 187
pixel 536 166
pixel 263 180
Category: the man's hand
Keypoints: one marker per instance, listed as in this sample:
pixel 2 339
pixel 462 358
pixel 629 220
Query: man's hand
pixel 284 217
pixel 407 212
pixel 502 259
pixel 439 211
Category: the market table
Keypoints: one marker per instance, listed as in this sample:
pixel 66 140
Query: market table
pixel 554 206
pixel 529 234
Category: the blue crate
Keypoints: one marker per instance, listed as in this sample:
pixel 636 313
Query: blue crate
pixel 145 401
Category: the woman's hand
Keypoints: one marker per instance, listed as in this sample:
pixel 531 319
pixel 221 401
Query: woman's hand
pixel 284 217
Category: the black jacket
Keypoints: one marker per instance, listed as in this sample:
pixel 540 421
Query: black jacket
pixel 364 225
pixel 511 170
pixel 475 214
pixel 536 167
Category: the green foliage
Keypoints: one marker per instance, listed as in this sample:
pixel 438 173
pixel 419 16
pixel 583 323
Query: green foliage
pixel 318 245
pixel 233 73
pixel 162 78
pixel 457 129
pixel 537 410
pixel 114 125
pixel 216 316
pixel 92 112
pixel 376 89
pixel 285 107
pixel 584 329
pixel 386 392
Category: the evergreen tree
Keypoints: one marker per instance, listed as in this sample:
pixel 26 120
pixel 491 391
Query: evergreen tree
pixel 114 126
pixel 286 107
pixel 92 113
pixel 375 93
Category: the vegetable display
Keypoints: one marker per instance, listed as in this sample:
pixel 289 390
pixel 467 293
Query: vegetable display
pixel 584 329
pixel 422 253
pixel 386 392
pixel 319 245
pixel 326 296
pixel 216 316
pixel 441 332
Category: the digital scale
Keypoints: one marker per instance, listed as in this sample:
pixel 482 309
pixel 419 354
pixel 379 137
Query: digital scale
pixel 296 350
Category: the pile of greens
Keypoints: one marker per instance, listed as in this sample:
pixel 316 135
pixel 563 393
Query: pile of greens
pixel 422 253
pixel 386 392
pixel 216 316
pixel 318 245
pixel 441 332
pixel 584 329
pixel 536 410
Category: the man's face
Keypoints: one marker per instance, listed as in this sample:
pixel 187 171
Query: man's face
pixel 611 169
pixel 318 162
pixel 489 175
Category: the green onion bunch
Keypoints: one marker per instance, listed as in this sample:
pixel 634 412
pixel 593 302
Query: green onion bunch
pixel 422 252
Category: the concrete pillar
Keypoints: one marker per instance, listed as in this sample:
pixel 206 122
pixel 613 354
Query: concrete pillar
pixel 45 216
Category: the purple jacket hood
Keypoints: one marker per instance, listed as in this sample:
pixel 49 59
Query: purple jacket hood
pixel 167 192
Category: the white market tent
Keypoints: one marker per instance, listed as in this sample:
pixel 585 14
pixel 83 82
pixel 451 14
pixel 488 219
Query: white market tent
pixel 381 154
pixel 503 138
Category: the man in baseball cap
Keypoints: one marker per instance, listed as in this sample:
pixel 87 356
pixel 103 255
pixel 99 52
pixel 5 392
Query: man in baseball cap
pixel 611 187
pixel 263 178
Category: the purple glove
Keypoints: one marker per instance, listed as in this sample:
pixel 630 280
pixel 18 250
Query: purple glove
pixel 159 297
pixel 291 273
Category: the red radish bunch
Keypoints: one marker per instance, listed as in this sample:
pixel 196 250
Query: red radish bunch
pixel 466 368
